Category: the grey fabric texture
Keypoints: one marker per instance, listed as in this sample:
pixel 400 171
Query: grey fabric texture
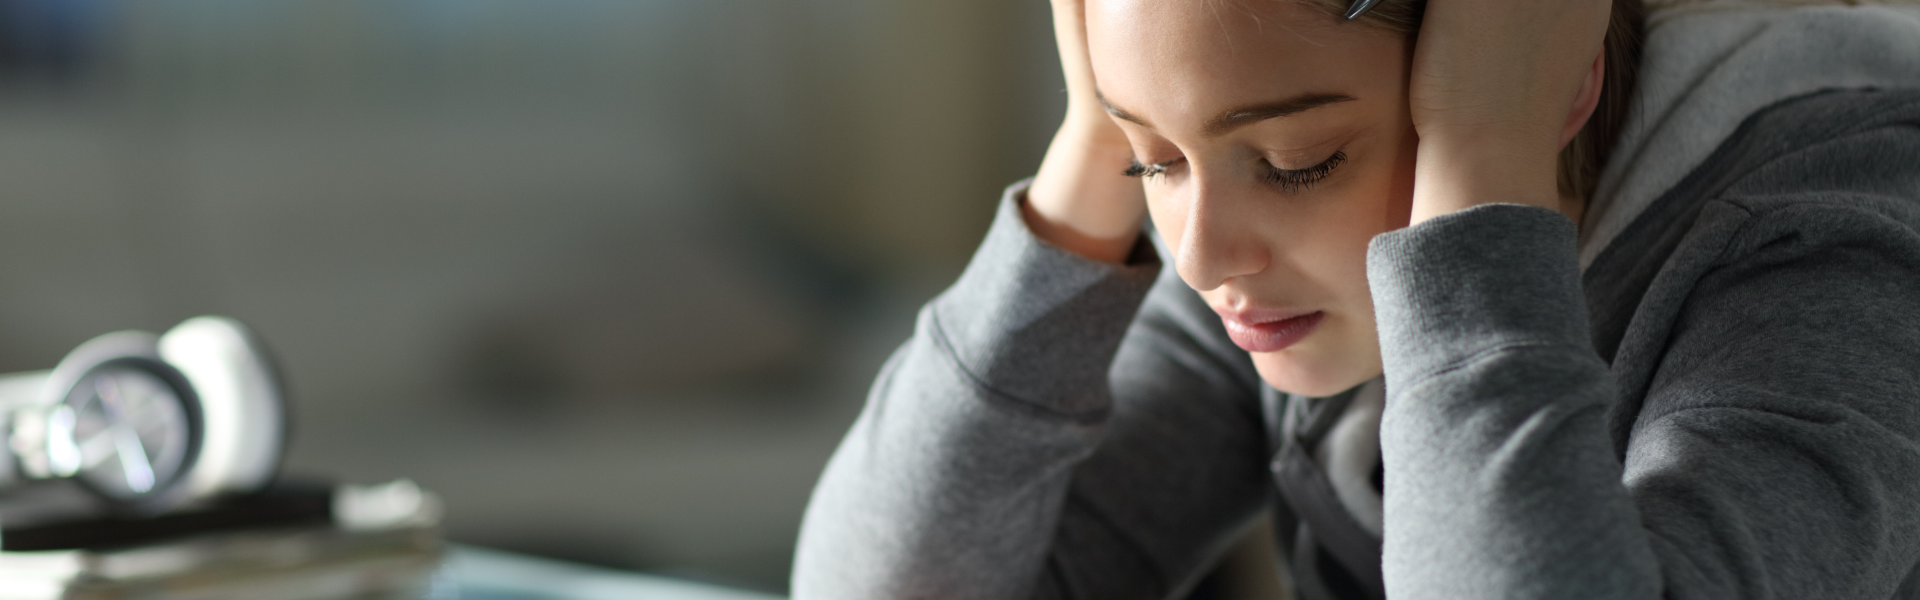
pixel 991 440
pixel 1754 434
pixel 1499 474
pixel 1707 66
pixel 1726 404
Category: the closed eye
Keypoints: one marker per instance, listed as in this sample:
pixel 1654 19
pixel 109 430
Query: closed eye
pixel 1295 181
pixel 1148 171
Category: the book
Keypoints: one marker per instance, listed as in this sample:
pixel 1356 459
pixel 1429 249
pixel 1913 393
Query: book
pixel 286 543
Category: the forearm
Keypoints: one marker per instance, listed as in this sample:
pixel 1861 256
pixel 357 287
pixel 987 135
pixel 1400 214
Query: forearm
pixel 950 483
pixel 937 492
pixel 1501 476
pixel 1081 200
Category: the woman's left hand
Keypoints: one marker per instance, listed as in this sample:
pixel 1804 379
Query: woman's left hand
pixel 1497 88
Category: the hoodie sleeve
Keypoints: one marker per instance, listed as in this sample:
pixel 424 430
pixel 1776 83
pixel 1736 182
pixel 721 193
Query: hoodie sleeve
pixel 1773 451
pixel 1057 427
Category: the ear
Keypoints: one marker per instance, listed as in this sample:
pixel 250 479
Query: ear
pixel 1588 99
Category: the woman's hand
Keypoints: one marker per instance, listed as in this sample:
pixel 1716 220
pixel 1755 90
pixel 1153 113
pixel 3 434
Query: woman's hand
pixel 1497 88
pixel 1080 200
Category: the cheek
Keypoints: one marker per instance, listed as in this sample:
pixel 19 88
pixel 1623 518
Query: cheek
pixel 1168 220
pixel 1329 253
pixel 1332 246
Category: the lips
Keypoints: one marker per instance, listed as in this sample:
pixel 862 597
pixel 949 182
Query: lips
pixel 1269 330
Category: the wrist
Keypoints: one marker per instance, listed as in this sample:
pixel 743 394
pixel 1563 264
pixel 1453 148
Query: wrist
pixel 1457 172
pixel 1092 128
pixel 1080 200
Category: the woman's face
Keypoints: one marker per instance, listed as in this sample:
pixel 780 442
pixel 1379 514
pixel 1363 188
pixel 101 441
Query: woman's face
pixel 1276 142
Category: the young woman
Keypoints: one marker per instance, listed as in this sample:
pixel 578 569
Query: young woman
pixel 1409 313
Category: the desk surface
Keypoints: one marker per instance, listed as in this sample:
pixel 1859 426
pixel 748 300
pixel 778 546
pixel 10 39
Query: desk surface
pixel 478 574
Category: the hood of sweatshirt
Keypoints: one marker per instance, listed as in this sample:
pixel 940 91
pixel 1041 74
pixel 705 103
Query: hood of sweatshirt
pixel 1707 66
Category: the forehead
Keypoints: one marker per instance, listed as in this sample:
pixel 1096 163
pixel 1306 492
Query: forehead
pixel 1169 58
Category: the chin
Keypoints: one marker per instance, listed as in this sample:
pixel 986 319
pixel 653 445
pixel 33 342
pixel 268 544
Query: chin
pixel 1314 374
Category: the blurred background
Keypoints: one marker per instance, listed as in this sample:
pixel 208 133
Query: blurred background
pixel 611 276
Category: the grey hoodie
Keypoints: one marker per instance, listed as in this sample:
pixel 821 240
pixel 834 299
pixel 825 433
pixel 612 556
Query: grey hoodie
pixel 1724 404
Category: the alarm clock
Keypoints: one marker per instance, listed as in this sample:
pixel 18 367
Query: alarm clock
pixel 149 423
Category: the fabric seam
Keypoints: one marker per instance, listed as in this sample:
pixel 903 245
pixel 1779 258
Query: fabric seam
pixel 1485 353
pixel 945 345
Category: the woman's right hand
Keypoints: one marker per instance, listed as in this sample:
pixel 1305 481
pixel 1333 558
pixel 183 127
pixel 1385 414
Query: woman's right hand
pixel 1081 201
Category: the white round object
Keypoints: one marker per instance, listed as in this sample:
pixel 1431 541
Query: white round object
pixel 241 408
pixel 155 423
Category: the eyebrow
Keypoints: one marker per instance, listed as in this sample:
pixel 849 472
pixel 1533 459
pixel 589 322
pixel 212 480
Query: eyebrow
pixel 1235 118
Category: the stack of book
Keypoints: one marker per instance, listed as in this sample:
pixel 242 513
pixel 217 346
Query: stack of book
pixel 289 542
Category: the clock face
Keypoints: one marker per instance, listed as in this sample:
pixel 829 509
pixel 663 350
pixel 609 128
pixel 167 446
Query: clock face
pixel 129 432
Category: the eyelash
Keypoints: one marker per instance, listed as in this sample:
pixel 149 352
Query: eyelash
pixel 1291 180
pixel 1135 169
pixel 1299 180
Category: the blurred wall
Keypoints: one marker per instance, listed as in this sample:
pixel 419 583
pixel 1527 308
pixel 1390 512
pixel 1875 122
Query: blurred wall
pixel 610 275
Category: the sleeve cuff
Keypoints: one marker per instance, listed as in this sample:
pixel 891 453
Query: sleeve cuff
pixel 1473 282
pixel 1036 322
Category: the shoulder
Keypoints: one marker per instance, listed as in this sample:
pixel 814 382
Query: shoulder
pixel 1828 175
pixel 1831 173
pixel 1834 149
pixel 1834 159
pixel 1786 268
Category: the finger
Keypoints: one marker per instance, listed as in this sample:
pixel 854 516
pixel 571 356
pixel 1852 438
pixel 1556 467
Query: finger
pixel 1070 35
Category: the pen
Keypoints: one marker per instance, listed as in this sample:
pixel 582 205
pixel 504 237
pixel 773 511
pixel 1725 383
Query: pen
pixel 1359 7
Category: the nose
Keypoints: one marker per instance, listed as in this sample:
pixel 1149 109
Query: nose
pixel 1219 239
